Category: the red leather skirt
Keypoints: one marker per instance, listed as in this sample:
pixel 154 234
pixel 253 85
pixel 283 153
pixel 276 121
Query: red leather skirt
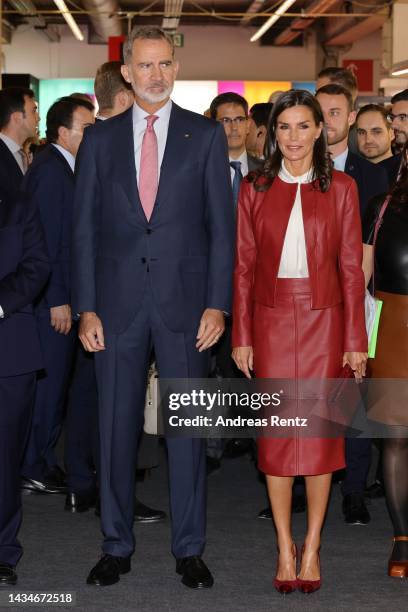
pixel 292 341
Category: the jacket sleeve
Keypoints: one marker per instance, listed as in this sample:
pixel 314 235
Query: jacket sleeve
pixel 45 190
pixel 351 273
pixel 22 286
pixel 245 259
pixel 85 228
pixel 220 223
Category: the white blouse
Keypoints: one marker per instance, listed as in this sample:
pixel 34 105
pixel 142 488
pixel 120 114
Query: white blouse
pixel 293 263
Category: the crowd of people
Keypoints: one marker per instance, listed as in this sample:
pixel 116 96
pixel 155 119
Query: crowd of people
pixel 235 244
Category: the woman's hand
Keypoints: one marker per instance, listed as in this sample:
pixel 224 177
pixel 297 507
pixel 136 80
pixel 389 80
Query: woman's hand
pixel 357 362
pixel 244 358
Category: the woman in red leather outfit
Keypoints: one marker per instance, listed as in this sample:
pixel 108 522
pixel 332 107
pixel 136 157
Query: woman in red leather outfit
pixel 298 310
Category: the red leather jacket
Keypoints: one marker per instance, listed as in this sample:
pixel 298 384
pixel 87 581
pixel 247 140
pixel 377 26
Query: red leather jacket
pixel 333 245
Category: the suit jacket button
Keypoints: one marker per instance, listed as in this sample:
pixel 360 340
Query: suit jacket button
pixel 143 260
pixel 149 231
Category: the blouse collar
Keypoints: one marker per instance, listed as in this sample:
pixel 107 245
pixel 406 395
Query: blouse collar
pixel 287 177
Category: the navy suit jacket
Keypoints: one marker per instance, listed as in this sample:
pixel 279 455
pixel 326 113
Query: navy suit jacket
pixel 49 184
pixel 11 175
pixel 391 165
pixel 185 251
pixel 371 179
pixel 24 271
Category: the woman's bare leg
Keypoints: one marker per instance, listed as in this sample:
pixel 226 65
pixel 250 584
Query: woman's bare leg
pixel 317 491
pixel 280 497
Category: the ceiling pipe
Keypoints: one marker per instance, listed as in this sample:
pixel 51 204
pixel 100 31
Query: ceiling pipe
pixel 357 29
pixel 104 20
pixel 251 11
pixel 299 25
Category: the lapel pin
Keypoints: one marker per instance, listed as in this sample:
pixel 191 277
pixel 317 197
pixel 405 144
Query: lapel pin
pixel 187 135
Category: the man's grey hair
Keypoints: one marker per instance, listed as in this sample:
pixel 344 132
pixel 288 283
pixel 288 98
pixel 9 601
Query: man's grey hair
pixel 144 33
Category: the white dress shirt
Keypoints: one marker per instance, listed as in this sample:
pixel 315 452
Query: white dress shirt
pixel 243 158
pixel 160 126
pixel 68 156
pixel 14 149
pixel 340 161
pixel 293 263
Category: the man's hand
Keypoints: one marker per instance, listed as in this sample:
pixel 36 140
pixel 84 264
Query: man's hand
pixel 211 328
pixel 61 318
pixel 357 362
pixel 244 358
pixel 91 332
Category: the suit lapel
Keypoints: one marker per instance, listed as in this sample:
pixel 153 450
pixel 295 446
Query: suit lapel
pixel 54 151
pixel 9 159
pixel 124 151
pixel 177 136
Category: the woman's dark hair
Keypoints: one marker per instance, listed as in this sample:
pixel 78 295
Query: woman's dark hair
pixel 322 165
pixel 399 191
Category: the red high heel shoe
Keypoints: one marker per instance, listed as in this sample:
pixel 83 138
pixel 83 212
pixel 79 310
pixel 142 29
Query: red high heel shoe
pixel 284 587
pixel 398 569
pixel 309 586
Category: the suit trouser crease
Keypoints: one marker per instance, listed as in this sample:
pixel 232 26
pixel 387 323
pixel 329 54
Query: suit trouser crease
pixel 122 377
pixel 48 414
pixel 16 404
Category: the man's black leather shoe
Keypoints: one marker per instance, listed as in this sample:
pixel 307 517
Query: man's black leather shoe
pixel 236 447
pixel 213 465
pixel 298 503
pixel 375 491
pixel 79 502
pixel 54 482
pixel 195 574
pixel 354 510
pixel 143 514
pixel 108 570
pixel 265 514
pixel 7 575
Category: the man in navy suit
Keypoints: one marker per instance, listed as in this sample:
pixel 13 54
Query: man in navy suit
pixel 18 121
pixel 23 272
pixel 152 266
pixel 49 184
pixel 372 180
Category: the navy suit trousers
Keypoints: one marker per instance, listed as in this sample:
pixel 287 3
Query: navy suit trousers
pixel 81 427
pixel 121 371
pixel 16 403
pixel 48 415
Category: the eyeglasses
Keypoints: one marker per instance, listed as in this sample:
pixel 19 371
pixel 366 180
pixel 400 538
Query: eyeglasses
pixel 229 121
pixel 401 117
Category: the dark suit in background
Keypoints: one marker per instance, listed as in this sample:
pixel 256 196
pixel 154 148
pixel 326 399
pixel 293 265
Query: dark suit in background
pixel 11 175
pixel 391 166
pixel 371 180
pixel 49 184
pixel 23 272
pixel 150 282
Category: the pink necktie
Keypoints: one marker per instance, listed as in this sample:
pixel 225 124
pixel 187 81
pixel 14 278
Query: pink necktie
pixel 149 168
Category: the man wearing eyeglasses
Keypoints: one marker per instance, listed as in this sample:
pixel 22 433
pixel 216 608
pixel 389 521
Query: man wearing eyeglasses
pixel 231 110
pixel 399 117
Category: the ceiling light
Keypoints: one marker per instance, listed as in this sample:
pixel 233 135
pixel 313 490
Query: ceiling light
pixel 273 19
pixel 400 68
pixel 69 19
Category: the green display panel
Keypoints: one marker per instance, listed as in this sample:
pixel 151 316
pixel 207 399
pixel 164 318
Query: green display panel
pixel 52 89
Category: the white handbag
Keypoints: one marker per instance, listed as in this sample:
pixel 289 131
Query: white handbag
pixel 152 402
